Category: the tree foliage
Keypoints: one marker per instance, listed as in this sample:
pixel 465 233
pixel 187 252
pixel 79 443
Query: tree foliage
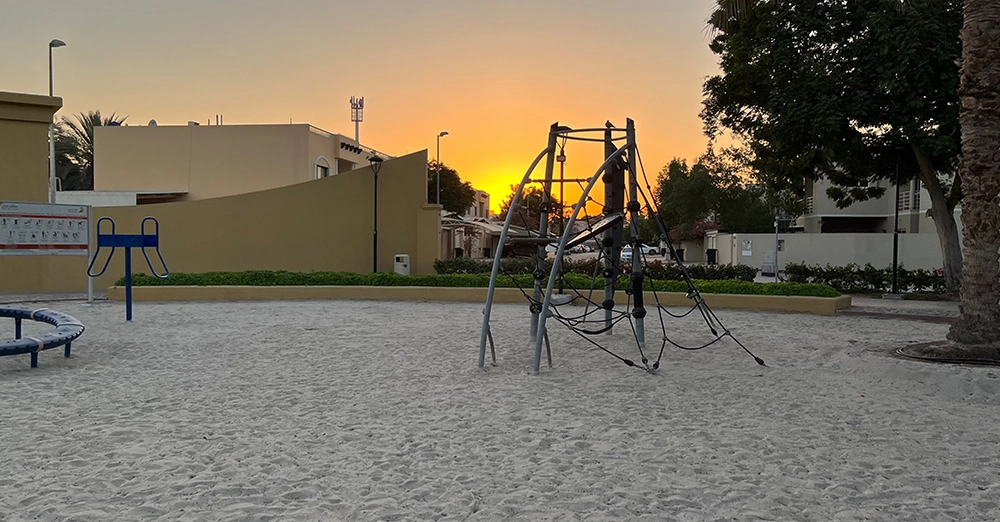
pixel 849 91
pixel 529 211
pixel 718 190
pixel 74 148
pixel 456 195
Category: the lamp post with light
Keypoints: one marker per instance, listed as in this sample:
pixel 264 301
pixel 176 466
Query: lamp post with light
pixel 52 141
pixel 376 163
pixel 437 165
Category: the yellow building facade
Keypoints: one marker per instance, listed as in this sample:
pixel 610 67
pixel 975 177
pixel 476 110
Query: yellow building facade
pixel 319 225
pixel 192 162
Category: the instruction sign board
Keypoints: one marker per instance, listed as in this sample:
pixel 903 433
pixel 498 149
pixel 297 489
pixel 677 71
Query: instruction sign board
pixel 43 229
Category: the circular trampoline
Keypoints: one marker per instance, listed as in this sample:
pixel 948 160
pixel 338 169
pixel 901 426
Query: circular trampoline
pixel 67 329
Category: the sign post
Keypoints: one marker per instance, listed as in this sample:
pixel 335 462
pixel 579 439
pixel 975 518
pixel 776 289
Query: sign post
pixel 46 229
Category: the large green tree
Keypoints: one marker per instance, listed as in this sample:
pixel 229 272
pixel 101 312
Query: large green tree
pixel 456 195
pixel 685 195
pixel 74 148
pixel 977 333
pixel 850 91
pixel 717 189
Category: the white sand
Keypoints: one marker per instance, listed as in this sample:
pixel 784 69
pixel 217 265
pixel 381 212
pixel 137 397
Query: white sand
pixel 342 410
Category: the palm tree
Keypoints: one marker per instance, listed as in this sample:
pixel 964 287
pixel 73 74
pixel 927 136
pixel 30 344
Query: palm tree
pixel 977 333
pixel 728 11
pixel 980 172
pixel 65 150
pixel 75 148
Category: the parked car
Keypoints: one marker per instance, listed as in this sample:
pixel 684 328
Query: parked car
pixel 627 254
pixel 650 250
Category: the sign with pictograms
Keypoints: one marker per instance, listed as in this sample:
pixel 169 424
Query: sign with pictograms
pixel 43 229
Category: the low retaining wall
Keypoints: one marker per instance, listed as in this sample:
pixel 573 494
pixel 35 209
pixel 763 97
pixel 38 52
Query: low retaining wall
pixel 777 303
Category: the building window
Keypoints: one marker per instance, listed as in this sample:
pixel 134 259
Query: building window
pixel 322 168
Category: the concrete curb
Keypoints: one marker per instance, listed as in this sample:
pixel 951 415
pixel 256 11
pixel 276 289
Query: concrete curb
pixel 771 303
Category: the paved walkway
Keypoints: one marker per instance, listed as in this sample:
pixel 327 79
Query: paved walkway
pixel 932 311
pixel 17 299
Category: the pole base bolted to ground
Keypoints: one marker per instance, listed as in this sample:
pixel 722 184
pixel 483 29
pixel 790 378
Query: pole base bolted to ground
pixel 128 242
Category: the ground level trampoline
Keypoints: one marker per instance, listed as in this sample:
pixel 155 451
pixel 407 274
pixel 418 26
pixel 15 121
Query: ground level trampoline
pixel 66 331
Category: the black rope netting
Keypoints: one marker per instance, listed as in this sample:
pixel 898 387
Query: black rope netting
pixel 601 317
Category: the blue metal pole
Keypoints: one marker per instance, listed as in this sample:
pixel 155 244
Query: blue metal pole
pixel 128 283
pixel 17 328
pixel 66 353
pixel 34 359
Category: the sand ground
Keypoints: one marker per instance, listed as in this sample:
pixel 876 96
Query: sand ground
pixel 349 410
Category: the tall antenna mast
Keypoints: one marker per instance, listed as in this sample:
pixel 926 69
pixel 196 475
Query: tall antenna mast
pixel 357 115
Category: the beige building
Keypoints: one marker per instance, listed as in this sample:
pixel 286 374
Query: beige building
pixel 306 226
pixel 872 216
pixel 860 233
pixel 160 163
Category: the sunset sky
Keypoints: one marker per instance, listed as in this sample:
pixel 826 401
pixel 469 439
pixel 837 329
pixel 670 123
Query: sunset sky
pixel 493 74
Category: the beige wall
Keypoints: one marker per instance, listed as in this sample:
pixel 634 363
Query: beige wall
pixel 205 161
pixel 24 145
pixel 321 225
pixel 24 176
pixel 915 250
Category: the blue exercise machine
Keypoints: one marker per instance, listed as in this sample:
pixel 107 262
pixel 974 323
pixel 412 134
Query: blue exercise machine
pixel 128 242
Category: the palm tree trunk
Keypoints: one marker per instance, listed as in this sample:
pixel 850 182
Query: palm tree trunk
pixel 980 171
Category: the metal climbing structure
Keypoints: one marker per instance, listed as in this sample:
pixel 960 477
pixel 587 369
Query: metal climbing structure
pixel 620 173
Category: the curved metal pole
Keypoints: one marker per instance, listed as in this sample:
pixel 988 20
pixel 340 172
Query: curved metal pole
pixel 496 260
pixel 557 262
pixel 543 224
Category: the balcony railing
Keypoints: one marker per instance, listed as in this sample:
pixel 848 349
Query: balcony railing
pixel 903 203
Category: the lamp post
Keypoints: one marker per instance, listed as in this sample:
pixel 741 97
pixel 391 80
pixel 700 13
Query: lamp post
pixel 895 236
pixel 437 165
pixel 52 141
pixel 376 163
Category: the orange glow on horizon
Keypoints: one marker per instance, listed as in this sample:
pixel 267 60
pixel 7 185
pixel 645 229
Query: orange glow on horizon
pixel 494 75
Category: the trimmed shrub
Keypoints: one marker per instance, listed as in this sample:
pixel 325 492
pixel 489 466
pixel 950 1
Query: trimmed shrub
pixel 480 280
pixel 656 269
pixel 856 279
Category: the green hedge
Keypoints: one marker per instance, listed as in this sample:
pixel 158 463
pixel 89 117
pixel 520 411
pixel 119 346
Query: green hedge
pixel 579 281
pixel 854 278
pixel 656 269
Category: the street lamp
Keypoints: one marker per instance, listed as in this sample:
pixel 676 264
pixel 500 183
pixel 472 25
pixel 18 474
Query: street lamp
pixel 376 163
pixel 52 142
pixel 437 165
pixel 895 236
